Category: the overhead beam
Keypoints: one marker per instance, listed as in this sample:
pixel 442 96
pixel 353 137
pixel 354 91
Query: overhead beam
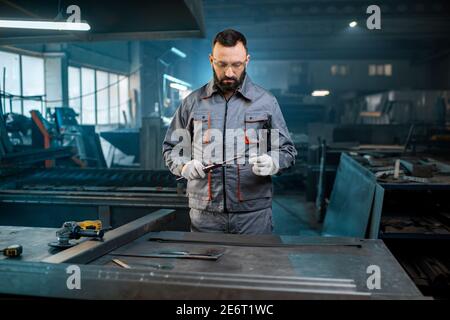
pixel 116 20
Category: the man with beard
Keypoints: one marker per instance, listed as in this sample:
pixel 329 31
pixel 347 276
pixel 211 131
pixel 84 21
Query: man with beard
pixel 237 196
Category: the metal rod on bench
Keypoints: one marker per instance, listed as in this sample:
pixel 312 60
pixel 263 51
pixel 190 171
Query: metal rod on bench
pixel 90 250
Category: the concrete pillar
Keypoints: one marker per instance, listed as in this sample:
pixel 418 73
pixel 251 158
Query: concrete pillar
pixel 135 83
pixel 145 80
pixel 56 79
pixel 151 80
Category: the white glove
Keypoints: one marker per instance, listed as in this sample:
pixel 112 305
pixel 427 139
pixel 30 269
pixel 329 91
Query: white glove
pixel 193 170
pixel 263 165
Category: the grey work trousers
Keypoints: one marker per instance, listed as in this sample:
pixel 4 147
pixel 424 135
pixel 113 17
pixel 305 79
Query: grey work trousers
pixel 254 222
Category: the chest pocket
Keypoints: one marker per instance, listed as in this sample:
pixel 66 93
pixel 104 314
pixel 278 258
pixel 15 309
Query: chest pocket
pixel 255 121
pixel 202 124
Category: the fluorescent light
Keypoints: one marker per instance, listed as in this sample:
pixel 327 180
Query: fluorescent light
pixel 45 25
pixel 320 93
pixel 178 86
pixel 173 79
pixel 353 24
pixel 178 52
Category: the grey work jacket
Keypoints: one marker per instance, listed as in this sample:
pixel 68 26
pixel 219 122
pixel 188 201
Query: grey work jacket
pixel 232 188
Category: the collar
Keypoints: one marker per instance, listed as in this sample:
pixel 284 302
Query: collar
pixel 246 89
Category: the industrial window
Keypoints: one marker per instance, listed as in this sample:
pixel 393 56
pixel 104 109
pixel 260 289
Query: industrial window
pixel 98 96
pixel 102 98
pixel 124 99
pixel 88 91
pixel 32 83
pixel 75 89
pixel 339 70
pixel 24 76
pixel 380 70
pixel 114 98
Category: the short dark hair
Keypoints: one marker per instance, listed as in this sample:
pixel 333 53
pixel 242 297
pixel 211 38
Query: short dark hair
pixel 229 38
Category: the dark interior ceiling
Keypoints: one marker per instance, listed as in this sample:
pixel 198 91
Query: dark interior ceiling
pixel 109 20
pixel 303 29
pixel 417 30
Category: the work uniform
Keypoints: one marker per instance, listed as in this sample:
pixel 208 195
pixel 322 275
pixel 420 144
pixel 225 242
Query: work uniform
pixel 231 198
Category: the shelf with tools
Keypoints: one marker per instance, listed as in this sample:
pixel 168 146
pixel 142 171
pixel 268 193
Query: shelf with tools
pixel 418 227
pixel 414 215
pixel 415 226
pixel 371 198
pixel 426 261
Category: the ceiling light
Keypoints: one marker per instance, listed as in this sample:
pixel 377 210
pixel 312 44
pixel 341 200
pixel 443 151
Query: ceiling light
pixel 45 25
pixel 179 53
pixel 320 93
pixel 178 86
pixel 176 80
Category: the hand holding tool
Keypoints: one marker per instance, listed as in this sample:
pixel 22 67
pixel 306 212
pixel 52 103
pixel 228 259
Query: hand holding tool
pixel 210 167
pixel 193 170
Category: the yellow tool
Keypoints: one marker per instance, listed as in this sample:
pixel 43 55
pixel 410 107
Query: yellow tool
pixel 13 251
pixel 90 225
pixel 72 230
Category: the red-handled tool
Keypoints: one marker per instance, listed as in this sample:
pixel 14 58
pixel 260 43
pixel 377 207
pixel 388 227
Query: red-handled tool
pixel 210 167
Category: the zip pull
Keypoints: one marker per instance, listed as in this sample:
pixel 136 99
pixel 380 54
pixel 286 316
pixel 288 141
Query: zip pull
pixel 207 138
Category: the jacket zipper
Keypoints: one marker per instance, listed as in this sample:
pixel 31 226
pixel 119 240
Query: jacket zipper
pixel 223 155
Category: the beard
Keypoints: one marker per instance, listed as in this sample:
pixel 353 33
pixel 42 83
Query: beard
pixel 227 86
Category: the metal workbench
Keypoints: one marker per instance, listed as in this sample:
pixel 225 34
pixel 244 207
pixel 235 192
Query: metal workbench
pixel 115 196
pixel 251 267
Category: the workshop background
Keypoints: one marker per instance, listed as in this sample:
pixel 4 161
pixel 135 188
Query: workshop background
pixel 83 116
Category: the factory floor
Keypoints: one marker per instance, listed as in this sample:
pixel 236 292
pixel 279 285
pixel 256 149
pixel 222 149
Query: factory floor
pixel 292 215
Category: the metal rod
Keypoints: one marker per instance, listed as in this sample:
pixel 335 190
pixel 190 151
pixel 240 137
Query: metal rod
pixel 121 263
pixel 265 245
pixel 90 250
pixel 215 165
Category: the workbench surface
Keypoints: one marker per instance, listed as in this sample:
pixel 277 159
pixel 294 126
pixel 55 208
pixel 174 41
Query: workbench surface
pixel 33 240
pixel 251 266
pixel 270 256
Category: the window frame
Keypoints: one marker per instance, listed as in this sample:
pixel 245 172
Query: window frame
pixel 120 77
pixel 21 80
pixel 380 70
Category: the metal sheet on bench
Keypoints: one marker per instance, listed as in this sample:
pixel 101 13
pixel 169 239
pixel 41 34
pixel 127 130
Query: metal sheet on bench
pixel 271 257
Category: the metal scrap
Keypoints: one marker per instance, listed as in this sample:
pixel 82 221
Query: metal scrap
pixel 208 254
